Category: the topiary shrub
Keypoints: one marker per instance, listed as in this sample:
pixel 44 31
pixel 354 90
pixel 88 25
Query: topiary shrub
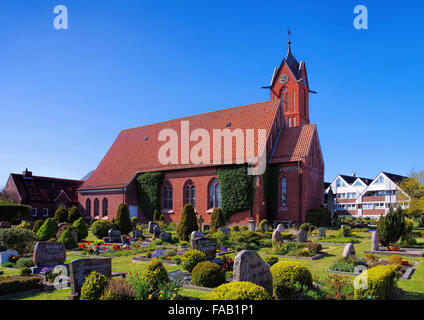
pixel 217 219
pixel 94 285
pixel 68 239
pixel 37 225
pixel 48 230
pixel 188 223
pixel 380 283
pixel 74 214
pixel 270 260
pixel 24 263
pixel 61 214
pixel 25 271
pixel 100 228
pixel 13 284
pixel 391 227
pixel 285 274
pixel 238 290
pixel 81 228
pixel 319 217
pixel 262 225
pixel 123 219
pixel 344 232
pixel 21 240
pixel 207 274
pixel 118 289
pixel 155 274
pixel 191 258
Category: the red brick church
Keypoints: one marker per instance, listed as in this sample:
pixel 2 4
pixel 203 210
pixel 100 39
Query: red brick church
pixel 291 143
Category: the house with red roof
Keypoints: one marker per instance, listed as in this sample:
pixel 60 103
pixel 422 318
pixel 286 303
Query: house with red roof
pixel 277 131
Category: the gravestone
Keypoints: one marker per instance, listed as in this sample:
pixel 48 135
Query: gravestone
pixel 225 230
pixel 276 236
pixel 207 245
pixel 375 245
pixel 115 235
pixel 158 252
pixel 348 251
pixel 165 236
pixel 252 225
pixel 48 253
pixel 138 234
pixel 280 228
pixel 5 225
pixel 81 268
pixel 302 236
pixel 248 266
pixel 206 227
pixel 156 231
pixel 196 235
pixel 176 275
pixel 151 226
pixel 322 233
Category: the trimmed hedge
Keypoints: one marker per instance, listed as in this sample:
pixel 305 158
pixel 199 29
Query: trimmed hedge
pixel 149 186
pixel 217 219
pixel 14 213
pixel 380 283
pixel 191 258
pixel 74 214
pixel 81 228
pixel 123 219
pixel 319 217
pixel 100 228
pixel 236 189
pixel 61 214
pixel 188 223
pixel 68 239
pixel 19 239
pixel 14 284
pixel 238 290
pixel 285 274
pixel 207 274
pixel 271 182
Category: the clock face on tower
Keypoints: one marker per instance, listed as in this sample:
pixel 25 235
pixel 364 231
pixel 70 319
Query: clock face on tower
pixel 284 78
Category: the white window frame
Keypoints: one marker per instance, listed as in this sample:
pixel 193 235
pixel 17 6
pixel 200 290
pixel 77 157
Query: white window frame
pixel 34 212
pixel 45 212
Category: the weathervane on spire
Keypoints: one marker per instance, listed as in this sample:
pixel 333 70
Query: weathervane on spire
pixel 289 32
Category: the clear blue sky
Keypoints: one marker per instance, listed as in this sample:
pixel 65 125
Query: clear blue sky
pixel 66 94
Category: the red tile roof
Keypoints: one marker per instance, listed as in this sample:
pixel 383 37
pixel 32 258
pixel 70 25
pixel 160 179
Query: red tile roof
pixel 136 150
pixel 294 143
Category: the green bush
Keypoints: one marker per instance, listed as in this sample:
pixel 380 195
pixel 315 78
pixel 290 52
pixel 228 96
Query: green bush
pixel 191 258
pixel 188 223
pixel 344 266
pixel 158 216
pixel 81 228
pixel 149 186
pixel 118 289
pixel 61 215
pixel 155 274
pixel 24 263
pixel 270 260
pixel 19 239
pixel 48 230
pixel 14 213
pixel 380 280
pixel 344 232
pixel 8 264
pixel 14 284
pixel 100 228
pixel 238 290
pixel 391 227
pixel 37 225
pixel 74 214
pixel 123 219
pixel 207 274
pixel 285 274
pixel 68 239
pixel 94 285
pixel 319 217
pixel 25 271
pixel 262 225
pixel 235 228
pixel 217 219
pixel 220 237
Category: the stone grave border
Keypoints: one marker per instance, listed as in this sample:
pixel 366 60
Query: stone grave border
pixel 316 257
pixel 144 259
pixel 409 253
pixel 193 287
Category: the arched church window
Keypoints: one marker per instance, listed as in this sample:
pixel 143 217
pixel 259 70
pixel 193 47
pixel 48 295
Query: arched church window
pixel 214 196
pixel 167 196
pixel 96 207
pixel 190 193
pixel 104 208
pixel 88 207
pixel 283 192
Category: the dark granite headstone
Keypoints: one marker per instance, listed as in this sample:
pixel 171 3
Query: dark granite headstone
pixel 276 236
pixel 48 253
pixel 165 236
pixel 302 236
pixel 206 227
pixel 81 268
pixel 207 245
pixel 115 235
pixel 156 231
pixel 151 226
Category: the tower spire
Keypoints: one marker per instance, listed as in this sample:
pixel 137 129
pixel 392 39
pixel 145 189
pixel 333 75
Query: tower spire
pixel 289 42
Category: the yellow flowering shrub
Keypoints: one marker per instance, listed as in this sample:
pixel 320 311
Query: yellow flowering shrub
pixel 377 283
pixel 238 290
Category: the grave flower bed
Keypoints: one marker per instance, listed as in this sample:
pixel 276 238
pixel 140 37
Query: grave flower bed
pixel 107 250
pixel 297 249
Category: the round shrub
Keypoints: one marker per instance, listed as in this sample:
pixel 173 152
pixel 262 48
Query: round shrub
pixel 48 230
pixel 270 260
pixel 207 274
pixel 191 258
pixel 74 214
pixel 94 286
pixel 68 239
pixel 24 263
pixel 19 239
pixel 395 258
pixel 155 274
pixel 61 215
pixel 238 290
pixel 217 219
pixel 37 225
pixel 123 219
pixel 118 289
pixel 81 228
pixel 25 271
pixel 262 225
pixel 100 228
pixel 188 223
pixel 235 228
pixel 285 274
